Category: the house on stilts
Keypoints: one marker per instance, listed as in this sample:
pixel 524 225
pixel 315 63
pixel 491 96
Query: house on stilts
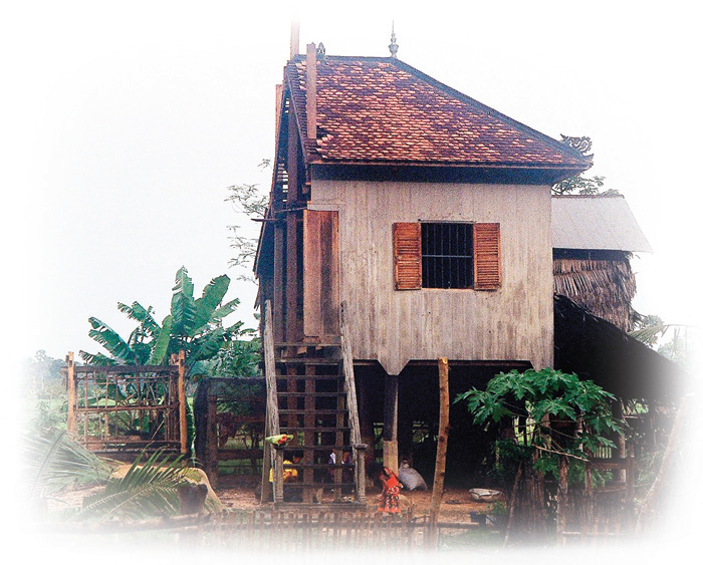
pixel 406 222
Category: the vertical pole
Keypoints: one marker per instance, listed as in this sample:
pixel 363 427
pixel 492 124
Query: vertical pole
pixel 211 441
pixel 441 461
pixel 562 498
pixel 272 417
pixel 358 446
pixel 71 386
pixel 390 424
pixel 181 361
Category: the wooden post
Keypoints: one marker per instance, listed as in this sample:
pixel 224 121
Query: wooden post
pixel 390 424
pixel 71 386
pixel 181 362
pixel 211 442
pixel 272 421
pixel 358 448
pixel 440 466
pixel 562 498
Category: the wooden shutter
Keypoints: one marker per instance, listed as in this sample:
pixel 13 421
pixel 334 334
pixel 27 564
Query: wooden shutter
pixel 407 253
pixel 487 272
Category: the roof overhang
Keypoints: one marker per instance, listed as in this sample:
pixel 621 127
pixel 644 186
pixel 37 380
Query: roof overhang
pixel 448 173
pixel 599 351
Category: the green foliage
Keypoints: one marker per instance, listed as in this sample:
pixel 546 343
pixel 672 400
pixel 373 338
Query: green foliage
pixel 148 489
pixel 53 461
pixel 238 359
pixel 552 413
pixel 582 185
pixel 194 325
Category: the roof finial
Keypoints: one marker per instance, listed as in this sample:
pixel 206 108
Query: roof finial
pixel 393 47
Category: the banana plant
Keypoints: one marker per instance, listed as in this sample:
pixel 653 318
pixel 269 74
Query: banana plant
pixel 194 325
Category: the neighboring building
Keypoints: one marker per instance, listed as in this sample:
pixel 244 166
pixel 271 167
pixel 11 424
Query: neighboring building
pixel 594 238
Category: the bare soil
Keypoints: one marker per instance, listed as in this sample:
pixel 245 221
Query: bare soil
pixel 456 505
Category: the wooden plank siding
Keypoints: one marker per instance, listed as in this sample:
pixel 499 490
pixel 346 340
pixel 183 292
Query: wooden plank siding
pixel 321 272
pixel 514 322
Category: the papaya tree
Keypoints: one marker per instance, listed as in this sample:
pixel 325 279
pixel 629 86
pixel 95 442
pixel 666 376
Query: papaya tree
pixel 552 423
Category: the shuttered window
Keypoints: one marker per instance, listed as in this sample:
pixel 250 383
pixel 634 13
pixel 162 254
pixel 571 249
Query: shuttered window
pixel 407 256
pixel 447 255
pixel 487 256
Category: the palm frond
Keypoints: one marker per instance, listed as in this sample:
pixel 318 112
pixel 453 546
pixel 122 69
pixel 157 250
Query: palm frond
pixel 147 490
pixel 54 461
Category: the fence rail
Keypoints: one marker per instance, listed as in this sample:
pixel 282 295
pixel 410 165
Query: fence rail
pixel 127 408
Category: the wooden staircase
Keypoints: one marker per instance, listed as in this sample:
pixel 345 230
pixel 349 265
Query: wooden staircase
pixel 311 396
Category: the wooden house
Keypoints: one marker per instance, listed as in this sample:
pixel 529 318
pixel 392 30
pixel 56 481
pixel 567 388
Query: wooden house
pixel 406 221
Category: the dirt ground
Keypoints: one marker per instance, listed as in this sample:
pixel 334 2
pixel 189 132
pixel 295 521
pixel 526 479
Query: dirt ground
pixel 456 505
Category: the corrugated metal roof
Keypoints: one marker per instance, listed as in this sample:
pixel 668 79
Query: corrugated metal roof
pixel 596 222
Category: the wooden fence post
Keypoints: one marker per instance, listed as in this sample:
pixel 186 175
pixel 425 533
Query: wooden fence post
pixel 211 442
pixel 181 362
pixel 440 466
pixel 71 386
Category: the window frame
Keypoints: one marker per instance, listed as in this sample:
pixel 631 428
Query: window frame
pixel 407 256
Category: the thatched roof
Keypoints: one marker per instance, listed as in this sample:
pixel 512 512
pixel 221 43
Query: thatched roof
pixel 597 350
pixel 602 282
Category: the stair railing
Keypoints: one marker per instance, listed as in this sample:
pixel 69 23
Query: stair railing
pixel 272 456
pixel 358 448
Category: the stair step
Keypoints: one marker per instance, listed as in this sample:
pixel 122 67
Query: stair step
pixel 316 448
pixel 321 485
pixel 307 344
pixel 330 466
pixel 286 394
pixel 326 429
pixel 310 377
pixel 313 412
pixel 308 361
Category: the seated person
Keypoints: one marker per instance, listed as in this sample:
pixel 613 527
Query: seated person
pixel 290 476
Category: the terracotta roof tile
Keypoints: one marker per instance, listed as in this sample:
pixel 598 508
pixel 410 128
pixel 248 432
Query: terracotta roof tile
pixel 374 110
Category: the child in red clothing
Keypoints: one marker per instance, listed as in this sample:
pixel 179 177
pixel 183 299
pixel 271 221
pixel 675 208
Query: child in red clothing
pixel 389 499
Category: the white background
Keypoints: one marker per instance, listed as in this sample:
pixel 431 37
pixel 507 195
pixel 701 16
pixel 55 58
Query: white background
pixel 123 124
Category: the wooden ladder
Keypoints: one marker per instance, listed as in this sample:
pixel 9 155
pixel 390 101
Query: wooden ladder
pixel 312 397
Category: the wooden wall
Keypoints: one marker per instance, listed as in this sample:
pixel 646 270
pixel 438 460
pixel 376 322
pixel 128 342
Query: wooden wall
pixel 394 327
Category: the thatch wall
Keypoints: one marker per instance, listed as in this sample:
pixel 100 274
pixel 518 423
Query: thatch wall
pixel 601 282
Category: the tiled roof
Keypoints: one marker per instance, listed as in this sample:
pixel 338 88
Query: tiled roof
pixel 381 110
